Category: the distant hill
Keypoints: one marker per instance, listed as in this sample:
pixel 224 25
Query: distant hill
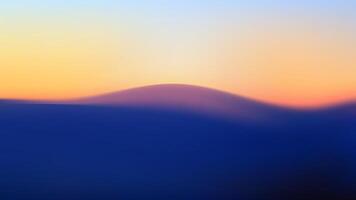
pixel 188 98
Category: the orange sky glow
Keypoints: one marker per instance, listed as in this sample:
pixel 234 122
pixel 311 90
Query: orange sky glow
pixel 284 62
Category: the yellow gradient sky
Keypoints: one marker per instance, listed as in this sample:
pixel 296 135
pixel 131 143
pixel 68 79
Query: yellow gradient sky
pixel 292 54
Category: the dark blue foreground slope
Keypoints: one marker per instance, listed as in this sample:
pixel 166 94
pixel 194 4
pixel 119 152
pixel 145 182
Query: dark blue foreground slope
pixel 50 152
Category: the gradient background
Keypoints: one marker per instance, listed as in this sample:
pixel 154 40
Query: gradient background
pixel 297 53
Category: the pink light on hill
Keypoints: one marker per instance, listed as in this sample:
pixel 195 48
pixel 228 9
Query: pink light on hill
pixel 184 97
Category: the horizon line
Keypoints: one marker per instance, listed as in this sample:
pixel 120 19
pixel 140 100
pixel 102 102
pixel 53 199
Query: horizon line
pixel 258 100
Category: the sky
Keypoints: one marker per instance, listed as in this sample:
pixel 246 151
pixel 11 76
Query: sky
pixel 297 53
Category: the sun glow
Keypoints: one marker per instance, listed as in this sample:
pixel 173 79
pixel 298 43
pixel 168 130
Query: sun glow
pixel 88 52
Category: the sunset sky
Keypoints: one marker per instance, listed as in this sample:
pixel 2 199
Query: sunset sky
pixel 296 53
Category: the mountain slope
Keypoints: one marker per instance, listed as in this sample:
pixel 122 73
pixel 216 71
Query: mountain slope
pixel 77 152
pixel 168 145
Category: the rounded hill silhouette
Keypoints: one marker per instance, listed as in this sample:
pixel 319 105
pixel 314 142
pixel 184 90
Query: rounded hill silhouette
pixel 185 98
